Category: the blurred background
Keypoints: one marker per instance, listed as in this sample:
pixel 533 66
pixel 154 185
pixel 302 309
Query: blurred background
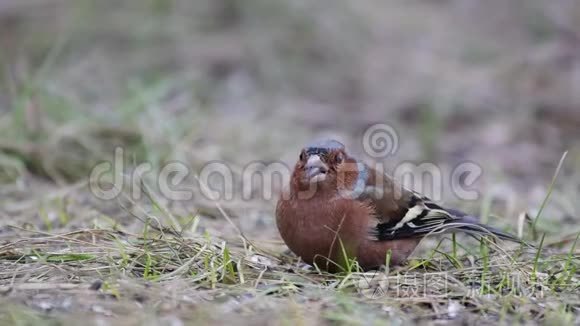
pixel 495 82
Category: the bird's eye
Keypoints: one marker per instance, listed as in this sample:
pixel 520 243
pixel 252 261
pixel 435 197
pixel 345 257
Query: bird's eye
pixel 303 156
pixel 339 158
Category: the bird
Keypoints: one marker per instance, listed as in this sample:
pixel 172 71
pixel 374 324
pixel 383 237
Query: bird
pixel 337 209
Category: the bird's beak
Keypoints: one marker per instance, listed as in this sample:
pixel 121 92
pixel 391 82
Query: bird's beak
pixel 315 169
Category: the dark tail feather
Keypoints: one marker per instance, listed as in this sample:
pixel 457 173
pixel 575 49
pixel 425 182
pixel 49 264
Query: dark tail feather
pixel 485 229
pixel 470 225
pixel 440 223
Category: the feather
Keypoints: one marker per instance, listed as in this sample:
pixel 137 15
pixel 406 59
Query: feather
pixel 415 215
pixel 426 218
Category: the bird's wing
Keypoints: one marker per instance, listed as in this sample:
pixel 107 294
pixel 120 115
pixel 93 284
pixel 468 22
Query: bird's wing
pixel 403 213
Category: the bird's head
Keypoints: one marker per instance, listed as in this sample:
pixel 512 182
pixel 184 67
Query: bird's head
pixel 318 164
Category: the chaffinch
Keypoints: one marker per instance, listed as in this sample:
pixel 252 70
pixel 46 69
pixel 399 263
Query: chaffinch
pixel 338 208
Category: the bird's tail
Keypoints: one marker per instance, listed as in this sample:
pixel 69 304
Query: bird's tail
pixel 471 225
pixel 433 219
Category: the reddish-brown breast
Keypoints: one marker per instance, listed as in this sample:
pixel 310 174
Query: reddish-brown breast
pixel 322 228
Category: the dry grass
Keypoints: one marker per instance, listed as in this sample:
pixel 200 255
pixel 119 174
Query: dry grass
pixel 119 276
pixel 110 273
pixel 223 81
